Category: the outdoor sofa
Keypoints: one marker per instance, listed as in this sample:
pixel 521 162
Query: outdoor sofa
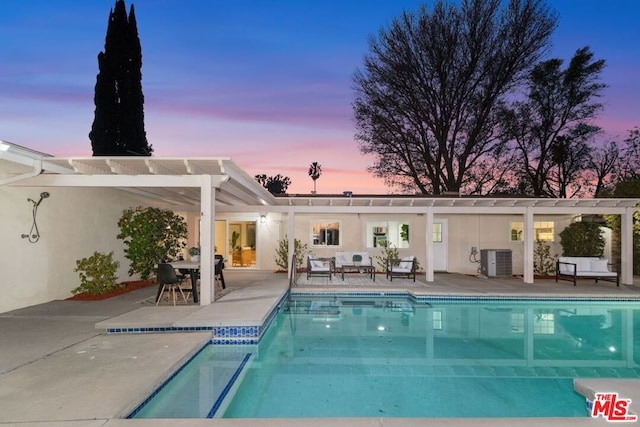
pixel 574 268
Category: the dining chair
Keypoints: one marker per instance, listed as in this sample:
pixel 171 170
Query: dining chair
pixel 219 275
pixel 169 282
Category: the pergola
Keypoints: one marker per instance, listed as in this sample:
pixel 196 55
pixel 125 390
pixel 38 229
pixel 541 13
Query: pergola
pixel 431 206
pixel 181 184
pixel 217 184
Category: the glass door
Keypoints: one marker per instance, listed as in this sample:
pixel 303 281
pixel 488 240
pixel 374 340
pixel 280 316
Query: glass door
pixel 242 244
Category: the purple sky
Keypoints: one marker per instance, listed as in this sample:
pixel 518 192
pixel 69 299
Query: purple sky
pixel 267 83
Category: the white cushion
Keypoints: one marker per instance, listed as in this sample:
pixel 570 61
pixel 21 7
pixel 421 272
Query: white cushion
pixel 599 265
pixel 566 269
pixel 317 264
pixel 341 259
pixel 346 258
pixel 584 264
pixel 406 263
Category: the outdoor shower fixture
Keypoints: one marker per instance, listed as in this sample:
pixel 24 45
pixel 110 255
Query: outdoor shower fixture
pixel 34 233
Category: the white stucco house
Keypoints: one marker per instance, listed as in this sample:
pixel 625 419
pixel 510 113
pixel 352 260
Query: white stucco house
pixel 228 212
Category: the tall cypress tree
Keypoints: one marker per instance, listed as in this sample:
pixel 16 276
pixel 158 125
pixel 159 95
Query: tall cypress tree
pixel 118 124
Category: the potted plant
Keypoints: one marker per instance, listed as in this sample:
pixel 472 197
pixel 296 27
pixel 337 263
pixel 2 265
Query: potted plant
pixel 357 259
pixel 194 254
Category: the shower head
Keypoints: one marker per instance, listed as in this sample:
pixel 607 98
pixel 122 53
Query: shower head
pixel 43 195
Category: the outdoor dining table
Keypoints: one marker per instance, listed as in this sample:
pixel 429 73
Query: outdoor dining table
pixel 194 270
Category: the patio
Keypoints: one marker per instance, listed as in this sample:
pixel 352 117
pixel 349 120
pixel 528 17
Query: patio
pixel 60 368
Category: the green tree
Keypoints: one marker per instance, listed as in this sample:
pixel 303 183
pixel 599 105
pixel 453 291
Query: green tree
pixel 315 170
pixel 551 129
pixel 427 98
pixel 629 188
pixel 150 236
pixel 543 262
pixel 118 124
pixel 274 184
pixel 582 239
pixel 282 253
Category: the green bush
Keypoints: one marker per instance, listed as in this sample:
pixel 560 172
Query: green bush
pixel 582 239
pixel 543 263
pixel 151 235
pixel 282 253
pixel 97 274
pixel 613 222
pixel 388 252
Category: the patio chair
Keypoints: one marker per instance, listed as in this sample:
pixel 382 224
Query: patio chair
pixel 169 282
pixel 319 267
pixel 219 275
pixel 405 267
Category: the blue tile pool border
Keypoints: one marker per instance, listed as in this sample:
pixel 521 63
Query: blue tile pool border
pixel 252 334
pixel 227 388
pixel 164 383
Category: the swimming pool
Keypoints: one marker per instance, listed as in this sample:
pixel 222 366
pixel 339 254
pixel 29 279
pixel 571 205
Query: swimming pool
pixel 398 357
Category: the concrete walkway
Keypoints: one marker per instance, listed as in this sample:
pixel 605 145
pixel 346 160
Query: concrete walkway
pixel 59 367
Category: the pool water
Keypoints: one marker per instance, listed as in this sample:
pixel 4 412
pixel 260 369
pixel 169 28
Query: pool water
pixel 392 357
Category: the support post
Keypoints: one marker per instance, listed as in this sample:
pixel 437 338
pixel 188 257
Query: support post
pixel 291 235
pixel 626 246
pixel 529 237
pixel 207 239
pixel 429 240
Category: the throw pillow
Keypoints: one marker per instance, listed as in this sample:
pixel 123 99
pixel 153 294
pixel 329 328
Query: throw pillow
pixel 317 263
pixel 599 265
pixel 406 262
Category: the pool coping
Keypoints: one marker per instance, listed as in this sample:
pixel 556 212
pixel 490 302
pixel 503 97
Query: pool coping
pixel 65 320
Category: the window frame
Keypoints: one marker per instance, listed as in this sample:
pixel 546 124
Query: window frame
pixel 537 226
pixel 312 239
pixel 371 225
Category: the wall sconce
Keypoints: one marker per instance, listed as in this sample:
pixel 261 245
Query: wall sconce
pixel 263 219
pixel 34 233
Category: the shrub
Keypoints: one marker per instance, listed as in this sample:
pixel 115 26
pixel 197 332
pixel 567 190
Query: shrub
pixel 582 239
pixel 388 252
pixel 543 263
pixel 151 235
pixel 282 253
pixel 97 274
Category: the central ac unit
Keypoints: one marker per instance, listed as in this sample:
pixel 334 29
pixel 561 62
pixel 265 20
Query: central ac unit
pixel 496 262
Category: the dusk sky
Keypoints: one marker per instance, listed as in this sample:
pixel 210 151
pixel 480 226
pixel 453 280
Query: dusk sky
pixel 267 83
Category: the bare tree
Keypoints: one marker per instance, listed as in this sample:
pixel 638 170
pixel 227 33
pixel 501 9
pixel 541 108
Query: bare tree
pixel 629 165
pixel 551 129
pixel 425 102
pixel 604 161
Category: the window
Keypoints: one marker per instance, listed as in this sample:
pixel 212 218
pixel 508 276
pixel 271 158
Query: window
pixel 437 320
pixel 326 233
pixel 437 233
pixel 543 323
pixel 381 233
pixel 544 230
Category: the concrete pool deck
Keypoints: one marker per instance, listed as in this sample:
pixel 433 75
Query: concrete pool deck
pixel 59 367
